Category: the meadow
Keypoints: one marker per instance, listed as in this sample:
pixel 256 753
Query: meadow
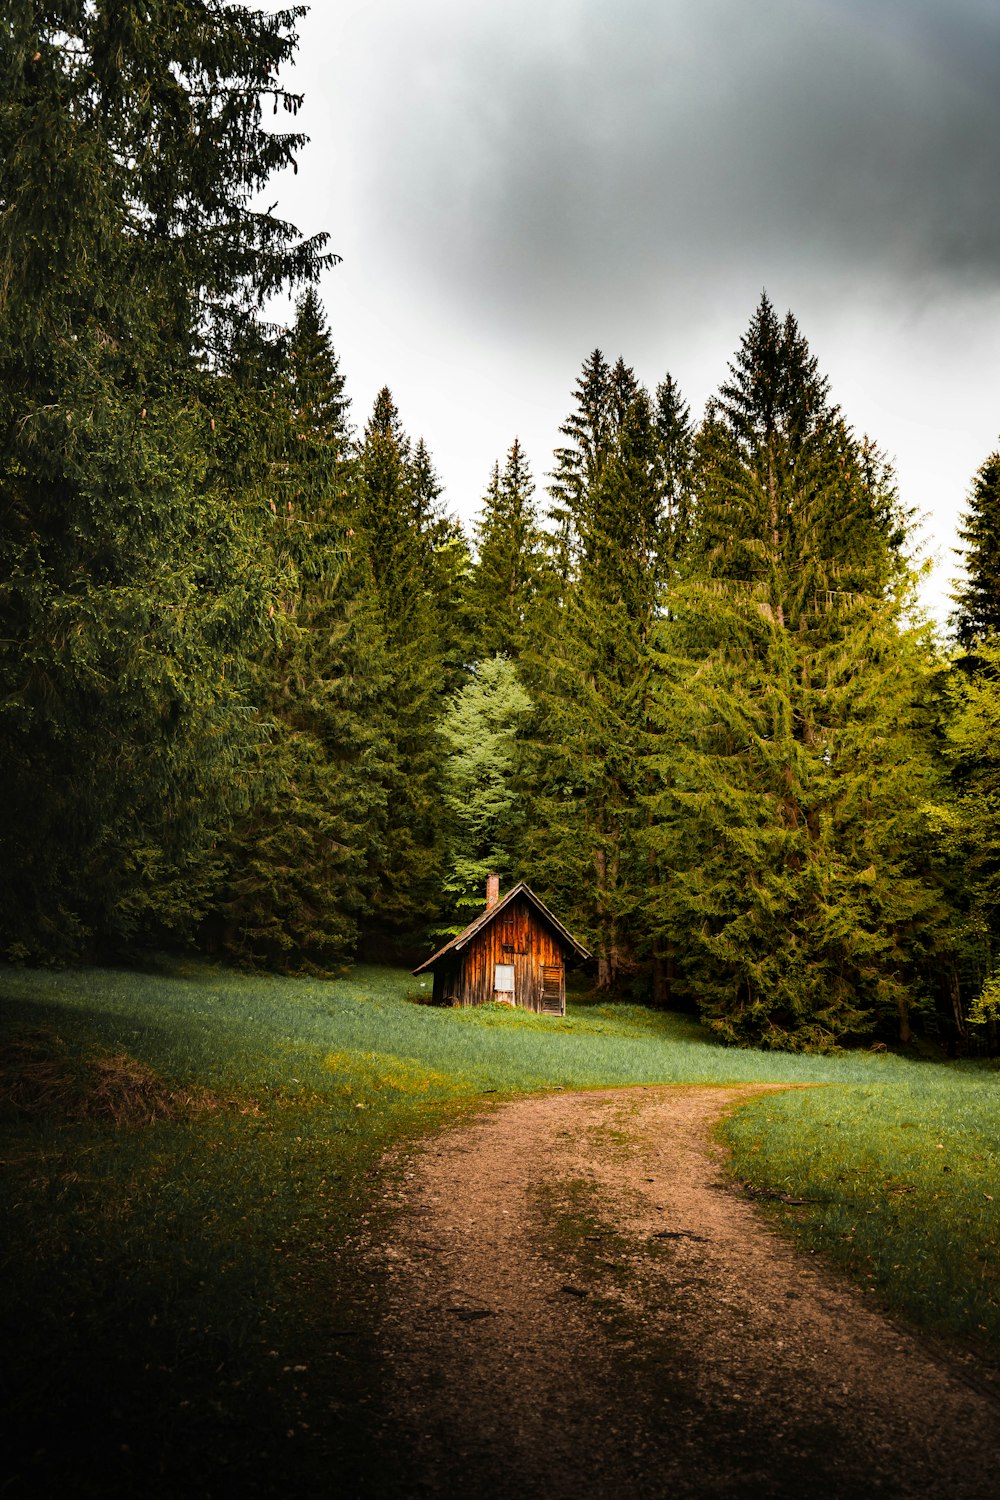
pixel 192 1157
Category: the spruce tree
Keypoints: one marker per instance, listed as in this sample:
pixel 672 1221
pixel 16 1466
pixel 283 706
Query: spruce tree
pixel 590 676
pixel 299 864
pixel 795 750
pixel 971 728
pixel 398 525
pixel 134 595
pixel 588 431
pixel 448 567
pixel 978 597
pixel 675 441
pixel 504 584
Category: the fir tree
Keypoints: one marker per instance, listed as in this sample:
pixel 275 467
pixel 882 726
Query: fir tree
pixel 590 676
pixel 978 597
pixel 397 523
pixel 588 431
pixel 505 581
pixel 795 750
pixel 299 873
pixel 971 727
pixel 675 440
pixel 973 735
pixel 134 596
pixel 448 567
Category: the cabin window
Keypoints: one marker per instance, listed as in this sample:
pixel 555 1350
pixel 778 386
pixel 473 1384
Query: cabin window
pixel 504 979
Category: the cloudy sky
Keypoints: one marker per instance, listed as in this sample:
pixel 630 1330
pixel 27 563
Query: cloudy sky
pixel 512 183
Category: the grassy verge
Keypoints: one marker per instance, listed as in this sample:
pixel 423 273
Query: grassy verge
pixel 901 1186
pixel 190 1157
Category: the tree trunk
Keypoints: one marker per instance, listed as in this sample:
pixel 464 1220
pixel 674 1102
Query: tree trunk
pixel 905 1034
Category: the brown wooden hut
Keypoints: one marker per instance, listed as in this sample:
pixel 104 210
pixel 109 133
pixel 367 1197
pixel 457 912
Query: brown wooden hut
pixel 516 952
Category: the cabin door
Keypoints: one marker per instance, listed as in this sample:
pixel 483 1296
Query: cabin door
pixel 553 990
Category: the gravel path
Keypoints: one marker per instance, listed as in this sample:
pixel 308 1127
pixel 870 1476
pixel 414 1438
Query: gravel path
pixel 578 1307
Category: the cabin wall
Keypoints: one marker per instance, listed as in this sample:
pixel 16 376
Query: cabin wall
pixel 518 936
pixel 448 982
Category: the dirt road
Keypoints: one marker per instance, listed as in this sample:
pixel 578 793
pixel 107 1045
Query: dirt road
pixel 579 1307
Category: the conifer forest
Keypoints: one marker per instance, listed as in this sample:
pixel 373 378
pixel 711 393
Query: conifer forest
pixel 263 697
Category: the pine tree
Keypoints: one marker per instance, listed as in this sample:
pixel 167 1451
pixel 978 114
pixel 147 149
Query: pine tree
pixel 795 748
pixel 590 676
pixel 978 597
pixel 299 865
pixel 134 597
pixel 396 520
pixel 675 439
pixel 448 567
pixel 485 812
pixel 588 431
pixel 971 728
pixel 504 583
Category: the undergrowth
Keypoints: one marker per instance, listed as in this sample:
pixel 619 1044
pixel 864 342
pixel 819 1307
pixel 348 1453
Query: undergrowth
pixel 191 1156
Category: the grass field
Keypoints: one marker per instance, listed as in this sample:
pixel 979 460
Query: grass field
pixel 190 1155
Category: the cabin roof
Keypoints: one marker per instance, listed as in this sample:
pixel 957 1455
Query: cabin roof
pixel 486 917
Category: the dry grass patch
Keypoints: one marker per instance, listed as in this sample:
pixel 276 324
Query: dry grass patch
pixel 41 1076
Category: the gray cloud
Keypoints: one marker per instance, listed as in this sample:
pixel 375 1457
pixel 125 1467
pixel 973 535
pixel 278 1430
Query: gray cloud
pixel 533 160
pixel 514 181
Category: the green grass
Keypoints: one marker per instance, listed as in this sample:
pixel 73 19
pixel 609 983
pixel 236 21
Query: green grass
pixel 903 1183
pixel 188 1312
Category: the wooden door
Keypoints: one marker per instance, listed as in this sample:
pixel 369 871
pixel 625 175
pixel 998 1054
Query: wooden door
pixel 553 990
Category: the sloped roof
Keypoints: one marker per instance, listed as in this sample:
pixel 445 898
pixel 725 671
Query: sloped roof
pixel 486 917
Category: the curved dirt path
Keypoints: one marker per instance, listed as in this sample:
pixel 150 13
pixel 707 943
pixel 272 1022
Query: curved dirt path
pixel 577 1307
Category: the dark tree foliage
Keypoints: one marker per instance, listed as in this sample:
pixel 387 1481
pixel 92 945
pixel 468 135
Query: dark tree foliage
pixel 132 146
pixel 978 597
pixel 505 582
pixel 675 436
pixel 971 726
pixel 590 670
pixel 416 558
pixel 298 875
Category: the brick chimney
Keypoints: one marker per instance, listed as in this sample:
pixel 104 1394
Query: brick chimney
pixel 492 891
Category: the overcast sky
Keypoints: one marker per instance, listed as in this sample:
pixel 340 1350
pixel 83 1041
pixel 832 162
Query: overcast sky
pixel 512 183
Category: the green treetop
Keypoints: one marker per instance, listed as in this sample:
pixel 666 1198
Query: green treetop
pixel 794 744
pixel 485 813
pixel 505 581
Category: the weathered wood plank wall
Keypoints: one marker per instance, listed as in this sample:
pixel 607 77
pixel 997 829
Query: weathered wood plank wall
pixel 520 938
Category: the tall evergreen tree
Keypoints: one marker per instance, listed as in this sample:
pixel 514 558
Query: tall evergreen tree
pixel 795 750
pixel 590 674
pixel 398 524
pixel 506 578
pixel 675 439
pixel 973 734
pixel 133 597
pixel 448 567
pixel 299 864
pixel 971 729
pixel 588 431
pixel 978 596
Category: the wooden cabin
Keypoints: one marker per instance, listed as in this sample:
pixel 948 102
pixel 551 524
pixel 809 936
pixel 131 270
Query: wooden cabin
pixel 516 953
